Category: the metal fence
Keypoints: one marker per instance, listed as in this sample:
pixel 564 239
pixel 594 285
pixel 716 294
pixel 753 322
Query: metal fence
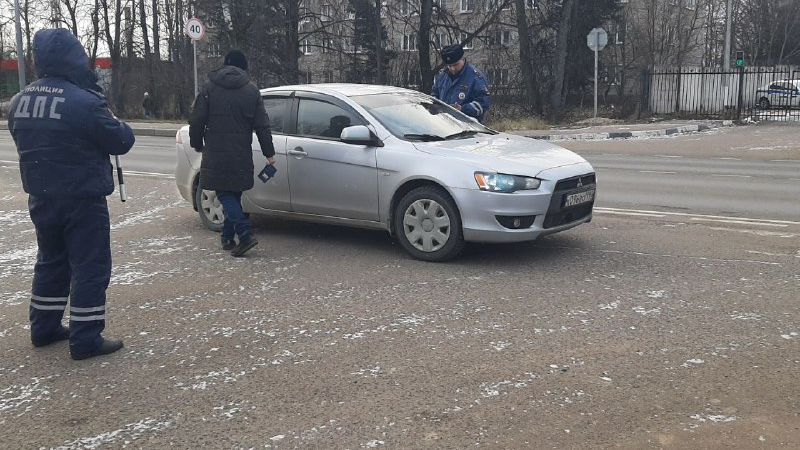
pixel 746 92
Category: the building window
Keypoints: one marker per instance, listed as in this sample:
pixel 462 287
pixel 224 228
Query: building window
pixel 467 5
pixel 327 76
pixel 498 77
pixel 440 40
pixel 327 12
pixel 532 4
pixel 441 5
pixel 499 37
pixel 405 8
pixel 409 43
pixel 614 74
pixel 494 5
pixel 411 78
pixel 305 47
pixel 327 45
pixel 214 50
pixel 467 45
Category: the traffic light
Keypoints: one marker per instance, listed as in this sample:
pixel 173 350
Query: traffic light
pixel 739 58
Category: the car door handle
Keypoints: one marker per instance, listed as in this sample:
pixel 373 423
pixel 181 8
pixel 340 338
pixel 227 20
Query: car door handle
pixel 298 151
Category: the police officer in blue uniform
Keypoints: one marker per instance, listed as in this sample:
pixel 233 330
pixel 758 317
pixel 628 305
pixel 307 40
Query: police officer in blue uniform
pixel 64 134
pixel 460 85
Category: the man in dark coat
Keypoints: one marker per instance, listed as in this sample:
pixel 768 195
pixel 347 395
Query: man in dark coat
pixel 224 116
pixel 64 134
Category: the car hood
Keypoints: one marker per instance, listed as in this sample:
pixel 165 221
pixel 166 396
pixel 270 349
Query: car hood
pixel 505 153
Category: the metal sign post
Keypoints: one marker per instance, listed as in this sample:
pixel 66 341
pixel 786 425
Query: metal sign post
pixel 196 31
pixel 596 40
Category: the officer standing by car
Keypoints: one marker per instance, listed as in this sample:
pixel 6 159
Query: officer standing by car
pixel 460 84
pixel 225 113
pixel 64 134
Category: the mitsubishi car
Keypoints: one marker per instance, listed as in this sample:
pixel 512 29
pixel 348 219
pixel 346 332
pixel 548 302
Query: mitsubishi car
pixel 395 159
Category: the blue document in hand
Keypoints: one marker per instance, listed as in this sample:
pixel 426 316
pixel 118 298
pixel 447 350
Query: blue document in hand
pixel 267 173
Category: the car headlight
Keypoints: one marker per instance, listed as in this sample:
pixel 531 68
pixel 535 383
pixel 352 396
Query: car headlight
pixel 499 182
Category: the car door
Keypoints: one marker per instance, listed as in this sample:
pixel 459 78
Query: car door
pixel 274 194
pixel 327 176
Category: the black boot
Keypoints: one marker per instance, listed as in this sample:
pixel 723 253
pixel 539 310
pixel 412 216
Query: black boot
pixel 244 246
pixel 106 347
pixel 228 244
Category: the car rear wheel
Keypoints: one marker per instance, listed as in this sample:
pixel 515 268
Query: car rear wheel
pixel 210 209
pixel 764 103
pixel 428 224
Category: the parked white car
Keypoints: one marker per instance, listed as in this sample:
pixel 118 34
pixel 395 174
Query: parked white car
pixel 781 94
pixel 395 159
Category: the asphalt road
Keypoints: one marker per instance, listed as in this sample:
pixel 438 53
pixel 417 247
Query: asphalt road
pixel 637 331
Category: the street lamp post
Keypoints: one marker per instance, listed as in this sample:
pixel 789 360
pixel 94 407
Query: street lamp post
pixel 20 53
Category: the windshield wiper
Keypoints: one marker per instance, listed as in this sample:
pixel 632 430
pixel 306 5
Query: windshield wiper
pixel 461 134
pixel 423 137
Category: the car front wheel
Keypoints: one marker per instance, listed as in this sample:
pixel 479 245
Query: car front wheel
pixel 210 209
pixel 428 224
pixel 763 103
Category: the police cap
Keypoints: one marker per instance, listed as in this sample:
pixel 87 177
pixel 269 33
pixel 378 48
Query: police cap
pixel 452 53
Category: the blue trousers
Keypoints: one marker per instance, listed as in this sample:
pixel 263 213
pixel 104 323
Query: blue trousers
pixel 73 262
pixel 235 220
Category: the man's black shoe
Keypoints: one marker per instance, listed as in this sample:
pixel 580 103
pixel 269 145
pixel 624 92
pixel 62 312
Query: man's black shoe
pixel 228 244
pixel 61 335
pixel 244 246
pixel 108 346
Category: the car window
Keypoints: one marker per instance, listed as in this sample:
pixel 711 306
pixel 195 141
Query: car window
pixel 416 116
pixel 276 110
pixel 322 119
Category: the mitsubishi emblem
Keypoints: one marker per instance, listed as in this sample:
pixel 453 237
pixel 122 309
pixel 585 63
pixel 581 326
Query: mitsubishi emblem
pixel 580 183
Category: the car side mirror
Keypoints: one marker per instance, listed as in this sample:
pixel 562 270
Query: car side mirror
pixel 359 134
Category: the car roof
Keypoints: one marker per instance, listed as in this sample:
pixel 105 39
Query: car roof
pixel 342 89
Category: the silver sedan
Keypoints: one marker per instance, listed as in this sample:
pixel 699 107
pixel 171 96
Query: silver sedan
pixel 395 159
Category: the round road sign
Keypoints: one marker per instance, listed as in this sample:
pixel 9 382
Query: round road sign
pixel 195 29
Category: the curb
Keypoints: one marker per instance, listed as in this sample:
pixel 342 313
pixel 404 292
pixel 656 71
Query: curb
pixel 685 129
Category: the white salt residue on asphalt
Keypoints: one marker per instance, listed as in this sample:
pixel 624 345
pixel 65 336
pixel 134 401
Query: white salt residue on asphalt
pixel 736 315
pixel 130 274
pixel 14 298
pixel 646 312
pixel 791 335
pixel 163 245
pixel 16 262
pixel 122 436
pixel 704 418
pixel 14 217
pixel 692 362
pixel 371 371
pixel 126 220
pixel 655 294
pixel 496 388
pixel 228 410
pixel 17 399
pixel 203 382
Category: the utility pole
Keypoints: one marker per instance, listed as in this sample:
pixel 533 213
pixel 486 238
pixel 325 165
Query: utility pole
pixel 728 14
pixel 20 53
pixel 726 65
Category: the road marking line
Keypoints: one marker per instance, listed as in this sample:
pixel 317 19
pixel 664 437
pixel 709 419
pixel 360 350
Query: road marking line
pixel 730 175
pixel 670 213
pixel 742 222
pixel 668 156
pixel 663 172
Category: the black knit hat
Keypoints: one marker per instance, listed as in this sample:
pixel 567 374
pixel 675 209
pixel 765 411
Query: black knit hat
pixel 452 53
pixel 236 58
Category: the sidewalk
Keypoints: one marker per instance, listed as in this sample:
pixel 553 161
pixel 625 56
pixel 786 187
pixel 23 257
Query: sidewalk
pixel 586 132
pixel 624 131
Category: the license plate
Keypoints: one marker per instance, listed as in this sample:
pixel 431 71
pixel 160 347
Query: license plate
pixel 578 198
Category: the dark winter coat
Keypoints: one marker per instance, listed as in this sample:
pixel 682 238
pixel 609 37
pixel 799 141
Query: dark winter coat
pixel 62 126
pixel 468 88
pixel 225 114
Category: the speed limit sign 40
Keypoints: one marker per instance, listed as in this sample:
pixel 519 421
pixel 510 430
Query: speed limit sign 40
pixel 195 29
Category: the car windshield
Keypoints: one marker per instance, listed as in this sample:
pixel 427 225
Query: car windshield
pixel 417 117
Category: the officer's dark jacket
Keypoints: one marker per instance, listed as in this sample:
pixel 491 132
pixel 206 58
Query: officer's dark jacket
pixel 225 114
pixel 468 88
pixel 62 126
